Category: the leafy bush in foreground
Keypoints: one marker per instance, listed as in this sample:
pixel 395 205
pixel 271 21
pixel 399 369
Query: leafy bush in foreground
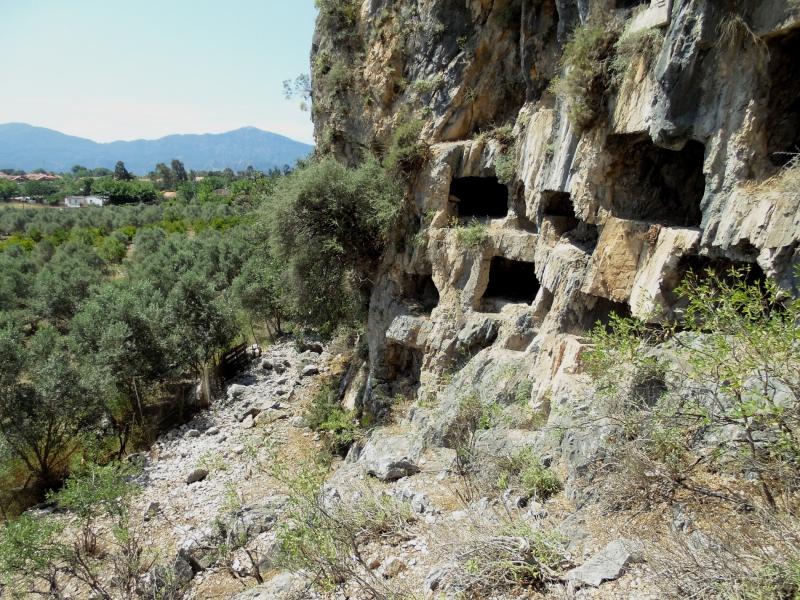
pixel 717 392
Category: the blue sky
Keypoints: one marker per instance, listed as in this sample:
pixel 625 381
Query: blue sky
pixel 114 69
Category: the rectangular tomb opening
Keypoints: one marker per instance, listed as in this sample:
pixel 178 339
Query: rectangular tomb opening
pixel 479 197
pixel 783 117
pixel 653 184
pixel 510 281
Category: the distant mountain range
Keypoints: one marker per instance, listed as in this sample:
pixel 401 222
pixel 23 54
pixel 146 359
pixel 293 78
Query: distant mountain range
pixel 27 147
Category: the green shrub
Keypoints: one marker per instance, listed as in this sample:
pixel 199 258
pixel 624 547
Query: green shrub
pixel 325 538
pixel 406 153
pixel 36 553
pixel 338 426
pixel 428 86
pixel 775 581
pixel 339 13
pixel 584 82
pixel 524 470
pixel 505 165
pixel 473 235
pixel 337 78
pixel 329 224
pixel 736 346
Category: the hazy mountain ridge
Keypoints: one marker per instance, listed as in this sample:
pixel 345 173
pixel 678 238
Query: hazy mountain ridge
pixel 28 147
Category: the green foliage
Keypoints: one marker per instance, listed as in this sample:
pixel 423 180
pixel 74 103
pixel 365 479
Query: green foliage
pixel 44 407
pixel 200 321
pixel 120 191
pixel 121 173
pixel 95 490
pixel 37 555
pixel 260 289
pixel 733 366
pixel 8 189
pixel 329 224
pixel 341 13
pixel 505 165
pixel 774 581
pixel 29 550
pixel 326 415
pixel 406 153
pixel 326 539
pixel 473 235
pixel 424 87
pixel 103 311
pixel 40 190
pixel 524 470
pixel 584 81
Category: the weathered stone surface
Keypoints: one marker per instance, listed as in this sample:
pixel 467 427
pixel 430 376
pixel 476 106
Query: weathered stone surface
pixel 309 370
pixel 616 259
pixel 196 475
pixel 152 510
pixel 389 457
pixel 393 566
pixel 252 520
pixel 606 565
pixel 283 586
pixel 236 390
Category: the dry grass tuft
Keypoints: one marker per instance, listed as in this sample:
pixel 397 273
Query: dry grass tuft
pixel 491 555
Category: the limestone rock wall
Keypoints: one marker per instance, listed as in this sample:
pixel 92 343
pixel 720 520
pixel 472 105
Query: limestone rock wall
pixel 494 285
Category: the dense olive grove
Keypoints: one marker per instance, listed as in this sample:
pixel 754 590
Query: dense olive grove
pixel 110 316
pixel 106 314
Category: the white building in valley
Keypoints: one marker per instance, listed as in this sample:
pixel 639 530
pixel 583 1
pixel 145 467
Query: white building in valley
pixel 82 201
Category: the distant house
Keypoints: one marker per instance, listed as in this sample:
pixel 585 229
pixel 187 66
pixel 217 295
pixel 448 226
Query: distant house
pixel 81 201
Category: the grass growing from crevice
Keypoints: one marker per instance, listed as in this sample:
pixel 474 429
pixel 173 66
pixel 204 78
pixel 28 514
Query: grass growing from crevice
pixel 472 235
pixel 634 45
pixel 406 152
pixel 585 79
pixel 525 472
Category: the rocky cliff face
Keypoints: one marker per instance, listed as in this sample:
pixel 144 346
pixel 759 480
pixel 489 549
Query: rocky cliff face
pixel 518 241
pixel 582 157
